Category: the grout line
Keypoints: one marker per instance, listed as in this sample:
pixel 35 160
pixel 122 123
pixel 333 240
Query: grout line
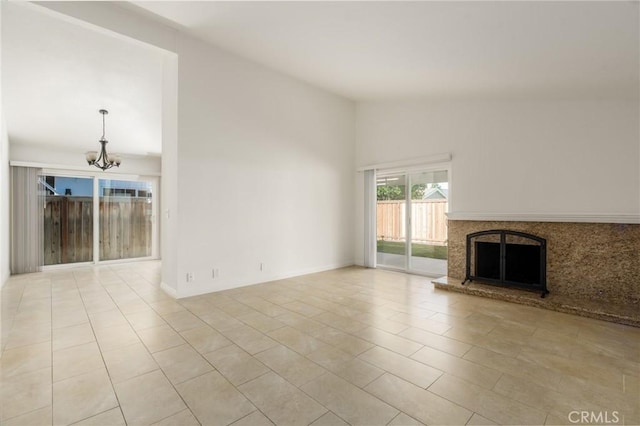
pixel 121 274
pixel 148 352
pixel 113 389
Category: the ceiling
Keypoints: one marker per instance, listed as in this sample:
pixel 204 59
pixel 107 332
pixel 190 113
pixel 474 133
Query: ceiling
pixel 57 74
pixel 370 50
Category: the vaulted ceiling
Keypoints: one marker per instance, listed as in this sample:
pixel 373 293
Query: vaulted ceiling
pixel 57 74
pixel 395 49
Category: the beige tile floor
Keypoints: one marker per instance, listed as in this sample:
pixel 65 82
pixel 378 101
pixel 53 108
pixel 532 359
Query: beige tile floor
pixel 105 346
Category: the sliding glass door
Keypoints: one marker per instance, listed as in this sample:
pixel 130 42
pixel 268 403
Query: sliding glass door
pixel 411 222
pixel 390 221
pixel 68 219
pixel 87 219
pixel 126 219
pixel 428 222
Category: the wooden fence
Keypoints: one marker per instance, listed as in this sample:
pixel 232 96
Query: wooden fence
pixel 125 229
pixel 429 223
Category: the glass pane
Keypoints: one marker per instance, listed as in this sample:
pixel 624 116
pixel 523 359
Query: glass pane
pixel 68 220
pixel 390 217
pixel 125 219
pixel 429 202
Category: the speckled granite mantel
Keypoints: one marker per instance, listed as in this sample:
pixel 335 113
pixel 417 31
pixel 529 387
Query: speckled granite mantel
pixel 596 261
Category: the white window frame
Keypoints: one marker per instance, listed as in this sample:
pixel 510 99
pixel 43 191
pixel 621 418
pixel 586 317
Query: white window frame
pixel 96 176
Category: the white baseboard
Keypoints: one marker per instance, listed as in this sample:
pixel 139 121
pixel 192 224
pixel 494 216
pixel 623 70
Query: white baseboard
pixel 197 291
pixel 169 290
pixel 313 270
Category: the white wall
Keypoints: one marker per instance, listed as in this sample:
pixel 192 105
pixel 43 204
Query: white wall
pixel 4 190
pixel 515 157
pixel 169 188
pixel 265 166
pixel 74 160
pixel 4 203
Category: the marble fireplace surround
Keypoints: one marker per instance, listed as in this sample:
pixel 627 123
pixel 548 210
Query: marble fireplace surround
pixel 594 267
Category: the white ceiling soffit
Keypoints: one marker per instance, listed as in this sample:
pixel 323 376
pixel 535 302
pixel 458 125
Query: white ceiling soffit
pixel 56 75
pixel 395 49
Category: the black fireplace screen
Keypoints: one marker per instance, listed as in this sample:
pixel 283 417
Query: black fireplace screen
pixel 507 258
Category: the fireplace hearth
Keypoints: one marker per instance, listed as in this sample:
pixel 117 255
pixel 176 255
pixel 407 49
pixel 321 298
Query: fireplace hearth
pixel 592 267
pixel 507 258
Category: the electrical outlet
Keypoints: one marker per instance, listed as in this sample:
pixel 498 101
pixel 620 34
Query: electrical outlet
pixel 261 266
pixel 215 273
pixel 189 277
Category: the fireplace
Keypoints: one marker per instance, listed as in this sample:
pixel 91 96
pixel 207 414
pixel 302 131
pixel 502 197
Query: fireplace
pixel 507 258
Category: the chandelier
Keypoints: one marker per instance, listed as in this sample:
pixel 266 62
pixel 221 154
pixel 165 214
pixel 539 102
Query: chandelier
pixel 102 160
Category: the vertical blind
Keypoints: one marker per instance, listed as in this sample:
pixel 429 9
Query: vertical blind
pixel 27 205
pixel 370 218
